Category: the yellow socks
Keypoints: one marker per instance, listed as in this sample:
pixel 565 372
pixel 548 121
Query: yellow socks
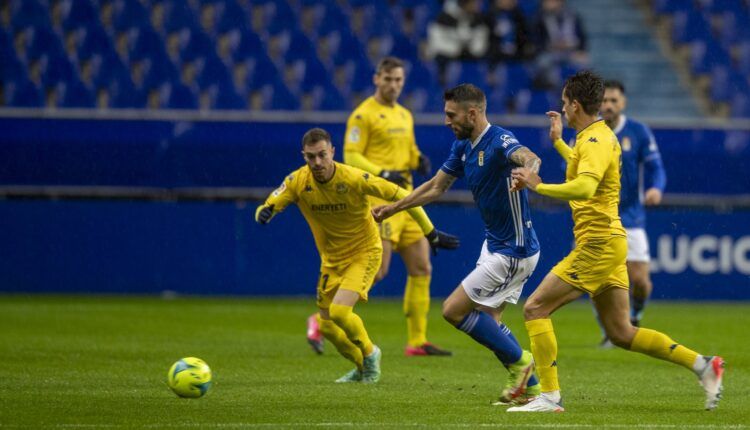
pixel 352 325
pixel 544 349
pixel 659 345
pixel 416 307
pixel 338 338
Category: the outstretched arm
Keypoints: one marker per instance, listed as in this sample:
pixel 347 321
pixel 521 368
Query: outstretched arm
pixel 422 195
pixel 581 188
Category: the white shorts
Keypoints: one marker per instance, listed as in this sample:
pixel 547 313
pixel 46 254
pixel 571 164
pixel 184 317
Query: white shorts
pixel 637 245
pixel 498 278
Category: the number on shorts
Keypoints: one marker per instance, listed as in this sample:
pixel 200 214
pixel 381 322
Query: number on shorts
pixel 323 280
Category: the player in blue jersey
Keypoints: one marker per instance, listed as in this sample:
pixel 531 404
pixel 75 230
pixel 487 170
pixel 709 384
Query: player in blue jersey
pixel 485 155
pixel 643 181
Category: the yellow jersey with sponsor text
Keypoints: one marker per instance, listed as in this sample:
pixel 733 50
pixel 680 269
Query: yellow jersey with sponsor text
pixel 597 153
pixel 337 211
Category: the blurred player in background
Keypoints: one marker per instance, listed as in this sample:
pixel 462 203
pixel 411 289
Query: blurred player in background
pixel 597 263
pixel 642 169
pixel 485 154
pixel 333 199
pixel 380 139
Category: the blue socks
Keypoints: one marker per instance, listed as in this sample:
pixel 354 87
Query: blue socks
pixel 499 339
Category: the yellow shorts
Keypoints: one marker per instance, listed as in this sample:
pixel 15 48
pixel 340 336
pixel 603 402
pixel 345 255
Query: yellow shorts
pixel 401 230
pixel 355 274
pixel 596 265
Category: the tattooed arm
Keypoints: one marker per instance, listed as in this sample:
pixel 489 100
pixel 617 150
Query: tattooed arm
pixel 525 158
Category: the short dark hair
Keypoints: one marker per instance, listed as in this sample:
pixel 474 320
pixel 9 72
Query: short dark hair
pixel 389 63
pixel 315 135
pixel 588 88
pixel 466 93
pixel 611 84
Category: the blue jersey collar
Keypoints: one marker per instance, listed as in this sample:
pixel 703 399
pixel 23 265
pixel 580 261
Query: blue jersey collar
pixel 479 138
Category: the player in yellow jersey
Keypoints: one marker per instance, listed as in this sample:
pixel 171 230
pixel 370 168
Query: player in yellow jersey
pixel 380 139
pixel 333 199
pixel 597 263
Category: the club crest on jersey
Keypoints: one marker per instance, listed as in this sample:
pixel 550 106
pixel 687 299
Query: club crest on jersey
pixel 308 188
pixel 480 159
pixel 354 134
pixel 341 188
pixel 626 144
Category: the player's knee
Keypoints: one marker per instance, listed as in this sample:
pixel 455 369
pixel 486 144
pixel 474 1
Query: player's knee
pixel 533 309
pixel 621 335
pixel 641 283
pixel 421 268
pixel 451 313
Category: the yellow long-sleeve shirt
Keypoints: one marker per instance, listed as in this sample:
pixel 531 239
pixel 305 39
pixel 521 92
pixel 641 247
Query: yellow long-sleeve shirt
pixel 596 154
pixel 338 211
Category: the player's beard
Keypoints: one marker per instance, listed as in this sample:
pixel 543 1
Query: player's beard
pixel 462 131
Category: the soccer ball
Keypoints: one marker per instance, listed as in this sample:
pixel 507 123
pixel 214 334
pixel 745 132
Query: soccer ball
pixel 189 377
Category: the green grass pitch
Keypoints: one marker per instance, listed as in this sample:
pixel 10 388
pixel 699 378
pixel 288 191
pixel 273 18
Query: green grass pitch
pixel 101 362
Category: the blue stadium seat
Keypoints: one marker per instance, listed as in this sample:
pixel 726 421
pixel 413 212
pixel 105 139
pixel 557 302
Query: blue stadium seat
pixel 419 75
pixel 325 97
pixel 722 6
pixel 277 96
pixel 707 53
pixel 733 28
pixel 75 94
pixel 178 16
pixel 403 48
pixel 742 51
pixel 94 40
pixel 261 71
pixel 145 42
pixel 79 13
pixel 534 102
pixel 24 93
pixel 128 14
pixel 690 25
pixel 244 44
pixel 725 82
pixel 499 99
pixel 125 95
pixel 211 70
pixel 107 67
pixel 300 47
pixel 460 72
pixel 668 7
pixel 179 96
pixel 740 105
pixel 43 41
pixel 196 44
pixel 29 13
pixel 233 17
pixel 227 98
pixel 57 69
pixel 315 73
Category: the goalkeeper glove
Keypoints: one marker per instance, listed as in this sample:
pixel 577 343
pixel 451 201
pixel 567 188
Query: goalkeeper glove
pixel 395 176
pixel 425 166
pixel 264 214
pixel 438 239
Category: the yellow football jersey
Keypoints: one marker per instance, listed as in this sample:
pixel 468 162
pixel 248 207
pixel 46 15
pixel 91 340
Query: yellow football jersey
pixel 384 135
pixel 337 211
pixel 597 153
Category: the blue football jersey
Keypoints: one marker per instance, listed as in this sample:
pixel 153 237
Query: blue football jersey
pixel 487 168
pixel 641 169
